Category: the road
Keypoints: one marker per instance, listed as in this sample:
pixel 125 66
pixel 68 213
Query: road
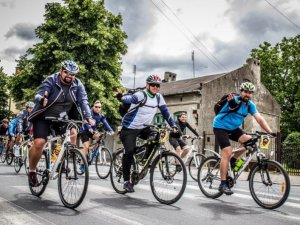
pixel 103 206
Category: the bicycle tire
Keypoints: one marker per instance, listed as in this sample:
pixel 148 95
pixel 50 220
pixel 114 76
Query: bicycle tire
pixel 18 164
pixel 116 173
pixel 68 172
pixel 9 158
pixel 193 170
pixel 103 164
pixel 269 169
pixel 209 175
pixel 163 166
pixel 42 176
pixel 3 156
pixel 26 165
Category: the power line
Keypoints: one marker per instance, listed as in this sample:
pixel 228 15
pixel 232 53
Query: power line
pixel 186 36
pixel 281 13
pixel 196 38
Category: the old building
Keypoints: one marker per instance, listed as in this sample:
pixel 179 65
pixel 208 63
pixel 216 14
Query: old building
pixel 198 96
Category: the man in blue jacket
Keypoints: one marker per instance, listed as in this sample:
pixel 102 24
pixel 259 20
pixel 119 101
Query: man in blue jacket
pixel 60 94
pixel 90 131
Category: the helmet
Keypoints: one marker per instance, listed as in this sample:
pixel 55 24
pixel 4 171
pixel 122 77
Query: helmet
pixel 247 86
pixel 70 66
pixel 29 105
pixel 153 79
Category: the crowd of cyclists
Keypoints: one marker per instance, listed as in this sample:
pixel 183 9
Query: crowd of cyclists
pixel 63 95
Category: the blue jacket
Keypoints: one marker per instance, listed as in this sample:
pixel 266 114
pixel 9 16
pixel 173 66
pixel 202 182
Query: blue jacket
pixel 22 122
pixel 98 117
pixel 52 85
pixel 13 127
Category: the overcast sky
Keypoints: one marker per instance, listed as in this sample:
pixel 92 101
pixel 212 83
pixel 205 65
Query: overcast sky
pixel 163 33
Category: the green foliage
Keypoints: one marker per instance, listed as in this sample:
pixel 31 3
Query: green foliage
pixel 280 73
pixel 83 31
pixel 4 112
pixel 292 140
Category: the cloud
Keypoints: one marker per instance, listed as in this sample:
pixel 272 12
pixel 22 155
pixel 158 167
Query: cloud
pixel 137 16
pixel 24 31
pixel 7 3
pixel 12 53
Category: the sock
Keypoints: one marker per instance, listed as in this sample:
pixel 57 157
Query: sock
pixel 32 170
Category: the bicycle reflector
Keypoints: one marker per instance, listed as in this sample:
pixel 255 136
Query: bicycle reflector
pixel 264 142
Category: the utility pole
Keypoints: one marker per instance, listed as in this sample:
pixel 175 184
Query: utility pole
pixel 134 73
pixel 193 60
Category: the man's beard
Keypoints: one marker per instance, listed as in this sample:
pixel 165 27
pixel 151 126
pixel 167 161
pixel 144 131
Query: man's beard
pixel 245 99
pixel 67 82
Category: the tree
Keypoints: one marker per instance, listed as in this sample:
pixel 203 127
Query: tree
pixel 4 112
pixel 280 73
pixel 83 31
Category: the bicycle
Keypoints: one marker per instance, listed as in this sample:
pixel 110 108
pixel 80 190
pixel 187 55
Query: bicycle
pixel 65 168
pixel 269 183
pixel 3 147
pixel 102 156
pixel 195 160
pixel 167 185
pixel 21 153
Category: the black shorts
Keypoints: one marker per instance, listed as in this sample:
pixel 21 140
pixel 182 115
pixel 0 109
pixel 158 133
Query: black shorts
pixel 175 142
pixel 43 128
pixel 86 135
pixel 223 136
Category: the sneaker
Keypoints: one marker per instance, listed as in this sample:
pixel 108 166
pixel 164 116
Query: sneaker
pixel 225 189
pixel 178 168
pixel 128 186
pixel 82 168
pixel 32 178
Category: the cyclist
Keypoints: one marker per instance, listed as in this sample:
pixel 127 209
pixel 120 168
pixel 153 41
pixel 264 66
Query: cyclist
pixel 90 131
pixel 4 127
pixel 226 126
pixel 177 139
pixel 23 125
pixel 134 121
pixel 12 133
pixel 60 95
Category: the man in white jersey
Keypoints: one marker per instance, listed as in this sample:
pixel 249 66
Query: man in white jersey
pixel 134 121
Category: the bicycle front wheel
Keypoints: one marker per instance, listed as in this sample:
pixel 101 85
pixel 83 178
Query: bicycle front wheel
pixel 103 163
pixel 9 158
pixel 42 176
pixel 116 173
pixel 18 162
pixel 269 184
pixel 194 165
pixel 72 186
pixel 209 177
pixel 167 180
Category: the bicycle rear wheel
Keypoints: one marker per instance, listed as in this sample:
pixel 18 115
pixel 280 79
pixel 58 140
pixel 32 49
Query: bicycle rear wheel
pixel 42 176
pixel 209 177
pixel 72 187
pixel 269 184
pixel 18 162
pixel 116 173
pixel 167 185
pixel 9 158
pixel 26 165
pixel 194 165
pixel 103 163
pixel 3 156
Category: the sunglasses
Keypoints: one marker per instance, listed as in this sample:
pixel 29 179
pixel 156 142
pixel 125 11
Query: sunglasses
pixel 68 73
pixel 97 107
pixel 155 85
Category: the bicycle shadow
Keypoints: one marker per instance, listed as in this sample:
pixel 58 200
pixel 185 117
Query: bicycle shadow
pixel 219 208
pixel 36 204
pixel 127 202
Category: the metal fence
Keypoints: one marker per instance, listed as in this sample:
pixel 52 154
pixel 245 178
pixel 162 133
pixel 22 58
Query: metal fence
pixel 290 159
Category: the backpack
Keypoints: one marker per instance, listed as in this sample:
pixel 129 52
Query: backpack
pixel 124 108
pixel 221 103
